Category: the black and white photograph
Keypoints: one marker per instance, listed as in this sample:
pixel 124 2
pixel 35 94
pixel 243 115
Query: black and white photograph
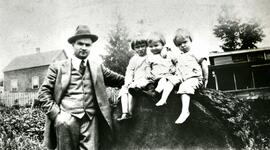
pixel 135 75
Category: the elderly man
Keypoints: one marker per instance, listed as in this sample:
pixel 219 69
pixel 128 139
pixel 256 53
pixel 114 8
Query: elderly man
pixel 78 112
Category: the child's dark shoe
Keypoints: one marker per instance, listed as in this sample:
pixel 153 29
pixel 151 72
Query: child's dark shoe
pixel 155 96
pixel 134 91
pixel 150 93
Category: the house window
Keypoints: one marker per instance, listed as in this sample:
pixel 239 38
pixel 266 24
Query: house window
pixel 223 60
pixel 225 79
pixel 256 57
pixel 267 55
pixel 261 76
pixel 243 78
pixel 14 85
pixel 239 58
pixel 35 82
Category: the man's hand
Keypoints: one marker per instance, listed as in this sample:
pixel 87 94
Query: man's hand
pixel 63 116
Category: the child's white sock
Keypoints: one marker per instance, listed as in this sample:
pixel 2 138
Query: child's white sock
pixel 182 118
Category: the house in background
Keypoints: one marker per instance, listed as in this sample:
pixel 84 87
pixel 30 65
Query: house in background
pixel 245 73
pixel 26 73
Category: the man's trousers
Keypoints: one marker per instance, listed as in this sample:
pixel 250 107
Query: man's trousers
pixel 76 134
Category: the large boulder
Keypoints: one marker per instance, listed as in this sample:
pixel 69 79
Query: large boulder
pixel 153 127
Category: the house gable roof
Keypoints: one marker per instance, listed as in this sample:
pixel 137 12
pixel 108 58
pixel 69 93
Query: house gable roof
pixel 34 60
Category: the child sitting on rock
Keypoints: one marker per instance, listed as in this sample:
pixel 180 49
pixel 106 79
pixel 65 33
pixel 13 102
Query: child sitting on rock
pixel 135 76
pixel 191 73
pixel 160 67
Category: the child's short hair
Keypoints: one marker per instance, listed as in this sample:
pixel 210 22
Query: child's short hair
pixel 181 34
pixel 156 36
pixel 138 39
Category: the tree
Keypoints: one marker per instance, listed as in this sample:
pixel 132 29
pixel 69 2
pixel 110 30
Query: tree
pixel 228 32
pixel 118 48
pixel 236 34
pixel 250 34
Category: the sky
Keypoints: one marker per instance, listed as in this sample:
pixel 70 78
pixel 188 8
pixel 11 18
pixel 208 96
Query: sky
pixel 47 24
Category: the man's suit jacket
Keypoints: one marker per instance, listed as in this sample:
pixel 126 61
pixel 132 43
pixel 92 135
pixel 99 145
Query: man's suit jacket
pixel 55 85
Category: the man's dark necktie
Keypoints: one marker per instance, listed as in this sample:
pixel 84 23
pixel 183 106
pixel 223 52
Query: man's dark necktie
pixel 82 67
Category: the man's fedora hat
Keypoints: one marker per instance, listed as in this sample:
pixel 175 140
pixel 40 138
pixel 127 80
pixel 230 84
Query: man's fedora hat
pixel 82 31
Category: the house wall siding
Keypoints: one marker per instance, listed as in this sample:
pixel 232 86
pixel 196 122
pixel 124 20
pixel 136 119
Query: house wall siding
pixel 24 77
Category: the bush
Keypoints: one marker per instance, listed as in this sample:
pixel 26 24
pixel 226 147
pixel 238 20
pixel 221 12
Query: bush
pixel 21 128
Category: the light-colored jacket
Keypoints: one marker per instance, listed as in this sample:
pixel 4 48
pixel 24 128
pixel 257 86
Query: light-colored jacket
pixel 136 69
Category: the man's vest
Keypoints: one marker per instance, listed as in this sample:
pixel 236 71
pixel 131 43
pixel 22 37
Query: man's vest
pixel 79 97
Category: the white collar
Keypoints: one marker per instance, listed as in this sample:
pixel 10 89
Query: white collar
pixel 76 62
